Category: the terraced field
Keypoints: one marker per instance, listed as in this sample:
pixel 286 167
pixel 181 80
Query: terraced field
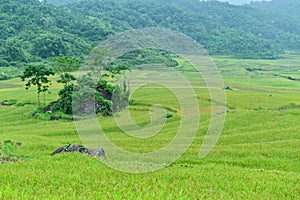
pixel 256 157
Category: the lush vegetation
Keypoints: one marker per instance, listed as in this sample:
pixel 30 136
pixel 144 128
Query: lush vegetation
pixel 219 27
pixel 257 156
pixel 34 31
pixel 43 44
pixel 288 7
pixel 77 93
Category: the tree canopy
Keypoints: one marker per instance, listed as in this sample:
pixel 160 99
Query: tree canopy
pixel 33 31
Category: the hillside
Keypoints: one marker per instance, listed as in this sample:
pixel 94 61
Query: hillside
pixel 290 8
pixel 61 2
pixel 32 31
pixel 220 27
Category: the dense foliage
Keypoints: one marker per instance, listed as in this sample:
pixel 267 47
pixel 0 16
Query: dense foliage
pixel 82 96
pixel 286 7
pixel 31 31
pixel 34 31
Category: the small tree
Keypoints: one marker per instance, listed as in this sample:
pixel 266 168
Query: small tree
pixel 120 96
pixel 38 76
pixel 63 64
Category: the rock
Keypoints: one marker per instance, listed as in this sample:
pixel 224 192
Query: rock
pixel 50 107
pixel 75 148
pixel 4 102
pixel 96 152
pixel 18 143
pixel 227 88
pixel 33 114
pixel 69 148
pixel 55 117
pixel 223 112
pixel 59 150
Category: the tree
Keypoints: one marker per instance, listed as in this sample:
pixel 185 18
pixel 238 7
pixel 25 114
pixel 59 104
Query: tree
pixel 13 51
pixel 63 64
pixel 120 96
pixel 49 45
pixel 38 76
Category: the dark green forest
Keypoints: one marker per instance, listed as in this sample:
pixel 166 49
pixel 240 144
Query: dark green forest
pixel 34 31
pixel 287 7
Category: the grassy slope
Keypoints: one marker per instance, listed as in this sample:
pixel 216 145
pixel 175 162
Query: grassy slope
pixel 257 156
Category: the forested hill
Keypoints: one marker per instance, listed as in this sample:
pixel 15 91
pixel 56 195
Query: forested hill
pixel 32 31
pixel 61 2
pixel 286 7
pixel 220 27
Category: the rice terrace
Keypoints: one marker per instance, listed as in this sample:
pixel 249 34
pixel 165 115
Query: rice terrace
pixel 79 123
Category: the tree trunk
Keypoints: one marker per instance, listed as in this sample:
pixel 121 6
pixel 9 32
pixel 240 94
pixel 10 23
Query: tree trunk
pixel 45 98
pixel 39 101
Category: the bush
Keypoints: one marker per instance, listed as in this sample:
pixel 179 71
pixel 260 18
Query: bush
pixel 169 115
pixel 4 76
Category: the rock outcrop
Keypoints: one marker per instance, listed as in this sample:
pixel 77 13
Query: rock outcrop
pixel 96 152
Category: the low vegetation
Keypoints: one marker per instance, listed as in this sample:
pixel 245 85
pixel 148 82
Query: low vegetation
pixel 256 155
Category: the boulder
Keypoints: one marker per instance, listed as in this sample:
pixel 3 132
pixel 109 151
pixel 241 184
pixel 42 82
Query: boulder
pixel 96 152
pixel 55 117
pixel 18 143
pixel 4 102
pixel 227 88
pixel 50 107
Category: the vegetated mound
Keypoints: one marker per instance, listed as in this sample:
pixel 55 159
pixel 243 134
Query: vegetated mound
pixel 81 99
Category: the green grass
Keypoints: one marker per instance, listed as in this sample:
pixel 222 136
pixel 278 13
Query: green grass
pixel 256 157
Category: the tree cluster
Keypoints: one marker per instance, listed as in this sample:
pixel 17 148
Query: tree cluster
pixel 222 29
pixel 80 96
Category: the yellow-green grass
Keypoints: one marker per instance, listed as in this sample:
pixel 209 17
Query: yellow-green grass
pixel 256 157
